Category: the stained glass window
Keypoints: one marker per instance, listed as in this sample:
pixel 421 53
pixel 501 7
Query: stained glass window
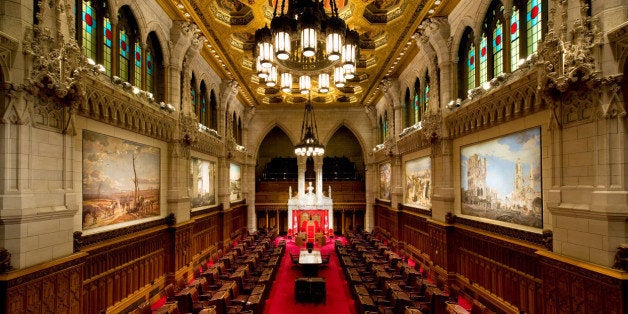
pixel 138 64
pixel 213 110
pixel 483 59
pixel 124 55
pixel 193 95
pixel 408 109
pixel 514 39
pixel 533 21
pixel 150 72
pixel 471 67
pixel 426 93
pixel 385 125
pixel 203 111
pixel 498 53
pixel 90 20
pixel 108 37
pixel 417 101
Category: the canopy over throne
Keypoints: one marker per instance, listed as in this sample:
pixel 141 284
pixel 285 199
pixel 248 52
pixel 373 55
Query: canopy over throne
pixel 310 212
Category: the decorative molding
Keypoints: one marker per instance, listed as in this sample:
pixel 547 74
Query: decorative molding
pixel 570 211
pixel 21 276
pixel 526 236
pixel 417 210
pixel 41 214
pixel 111 105
pixel 516 99
pixel 81 241
pixel 208 210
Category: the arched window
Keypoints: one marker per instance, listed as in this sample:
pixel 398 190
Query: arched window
pixel 426 92
pixel 498 52
pixel 417 101
pixel 381 130
pixel 408 118
pixel 234 126
pixel 94 31
pixel 213 113
pixel 193 94
pixel 128 36
pixel 483 59
pixel 107 45
pixel 385 135
pixel 90 29
pixel 514 39
pixel 466 63
pixel 491 43
pixel 202 111
pixel 138 64
pixel 154 67
pixel 239 131
pixel 534 25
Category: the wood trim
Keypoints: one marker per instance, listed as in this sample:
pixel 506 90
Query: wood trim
pixel 542 240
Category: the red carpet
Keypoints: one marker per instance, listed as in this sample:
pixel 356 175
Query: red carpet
pixel 282 300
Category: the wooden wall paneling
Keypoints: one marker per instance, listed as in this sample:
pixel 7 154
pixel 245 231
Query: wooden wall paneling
pixel 117 268
pixel 573 287
pixel 46 288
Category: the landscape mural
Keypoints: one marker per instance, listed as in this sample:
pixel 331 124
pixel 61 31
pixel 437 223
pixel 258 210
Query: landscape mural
pixel 501 179
pixel 418 182
pixel 203 185
pixel 120 180
pixel 235 183
pixel 384 181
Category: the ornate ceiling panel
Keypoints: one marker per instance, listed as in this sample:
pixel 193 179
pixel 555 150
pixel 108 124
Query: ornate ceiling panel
pixel 385 27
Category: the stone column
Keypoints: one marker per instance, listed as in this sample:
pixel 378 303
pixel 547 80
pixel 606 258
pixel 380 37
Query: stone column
pixel 318 168
pixel 301 163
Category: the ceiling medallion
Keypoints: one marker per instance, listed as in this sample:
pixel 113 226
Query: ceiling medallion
pixel 304 45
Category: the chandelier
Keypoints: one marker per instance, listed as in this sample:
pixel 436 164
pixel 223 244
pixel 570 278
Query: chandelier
pixel 309 144
pixel 304 44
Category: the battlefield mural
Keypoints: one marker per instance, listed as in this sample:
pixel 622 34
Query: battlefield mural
pixel 385 176
pixel 501 179
pixel 203 185
pixel 418 189
pixel 235 183
pixel 120 180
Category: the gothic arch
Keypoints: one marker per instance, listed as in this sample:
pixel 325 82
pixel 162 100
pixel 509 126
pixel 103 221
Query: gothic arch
pixel 350 127
pixel 457 35
pixel 267 130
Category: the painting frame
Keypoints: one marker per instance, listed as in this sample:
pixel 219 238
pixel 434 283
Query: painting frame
pixel 418 182
pixel 121 181
pixel 385 180
pixel 202 183
pixel 501 179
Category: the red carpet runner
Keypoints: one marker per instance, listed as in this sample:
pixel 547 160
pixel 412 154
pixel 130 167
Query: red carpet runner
pixel 282 298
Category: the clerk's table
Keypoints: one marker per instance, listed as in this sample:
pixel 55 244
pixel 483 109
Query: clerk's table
pixel 310 262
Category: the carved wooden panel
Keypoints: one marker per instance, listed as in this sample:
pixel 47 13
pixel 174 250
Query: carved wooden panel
pixel 117 268
pixel 206 233
pixel 386 218
pixel 568 288
pixel 54 289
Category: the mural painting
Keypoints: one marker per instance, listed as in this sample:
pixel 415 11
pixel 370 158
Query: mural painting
pixel 418 182
pixel 501 179
pixel 384 181
pixel 203 182
pixel 235 183
pixel 121 180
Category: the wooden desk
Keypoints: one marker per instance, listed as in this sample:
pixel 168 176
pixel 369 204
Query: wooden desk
pixel 309 262
pixel 455 308
pixel 168 308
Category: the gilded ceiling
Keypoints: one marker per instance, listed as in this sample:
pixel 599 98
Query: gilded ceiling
pixel 385 27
